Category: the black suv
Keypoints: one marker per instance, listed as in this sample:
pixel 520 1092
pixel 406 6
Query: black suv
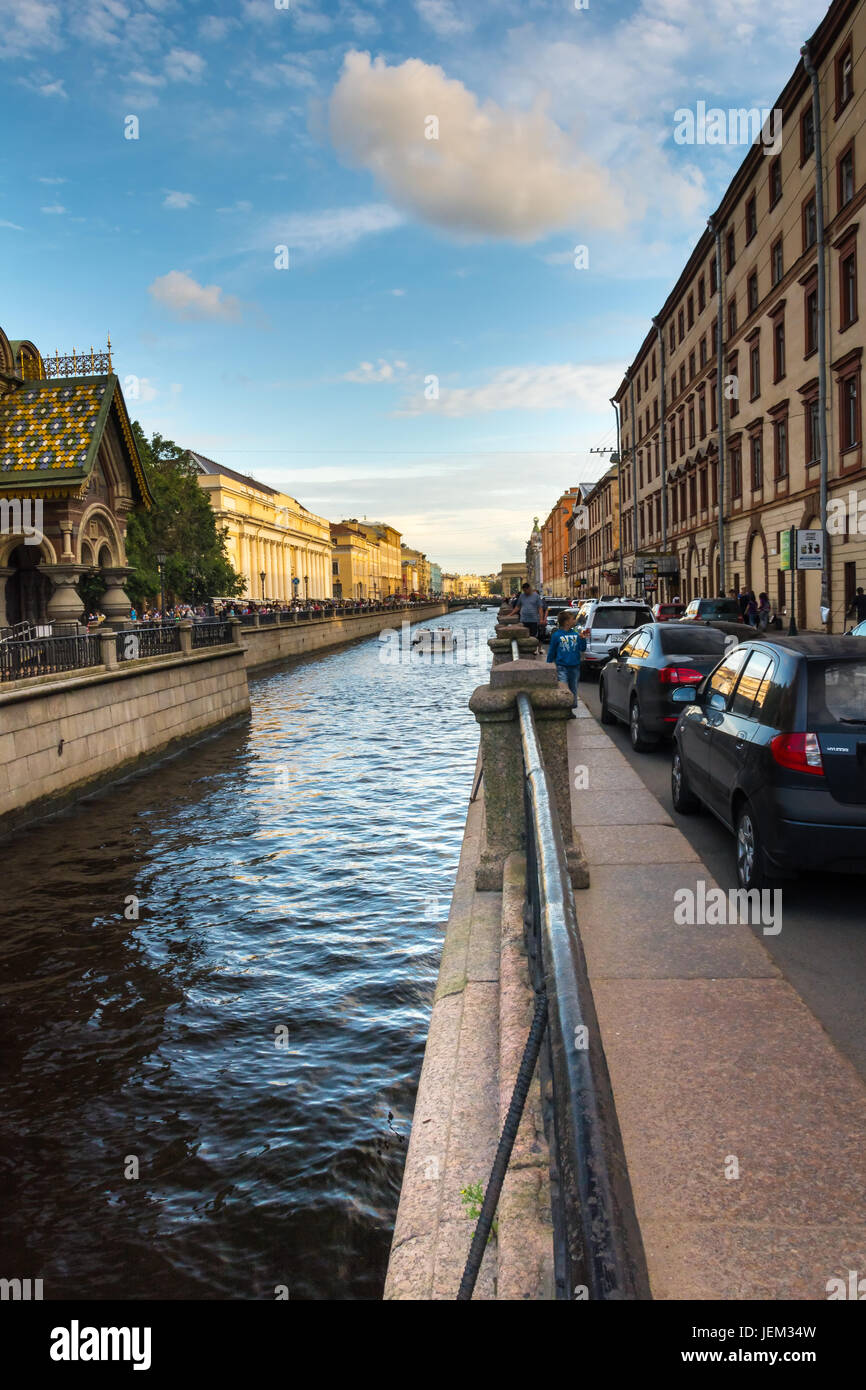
pixel 773 741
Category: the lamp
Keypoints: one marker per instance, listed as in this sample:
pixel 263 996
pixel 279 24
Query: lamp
pixel 161 558
pixel 262 578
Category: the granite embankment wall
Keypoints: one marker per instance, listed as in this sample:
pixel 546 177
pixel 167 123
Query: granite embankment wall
pixel 271 643
pixel 60 736
pixel 64 735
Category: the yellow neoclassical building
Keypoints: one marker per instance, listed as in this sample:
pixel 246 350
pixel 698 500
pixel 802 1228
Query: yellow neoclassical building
pixel 269 534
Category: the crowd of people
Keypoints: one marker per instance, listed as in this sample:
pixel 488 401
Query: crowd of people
pixel 241 607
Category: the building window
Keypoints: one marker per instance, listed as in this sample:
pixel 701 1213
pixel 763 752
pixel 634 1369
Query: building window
pixel 775 181
pixel 672 337
pixel 812 320
pixel 807 134
pixel 844 78
pixel 810 224
pixel 681 325
pixel 751 218
pixel 757 463
pixel 702 351
pixel 845 175
pixel 736 473
pixel 674 516
pixel 730 251
pixel 780 448
pixel 656 411
pixel 704 490
pixel 713 417
pixel 702 416
pixel 682 432
pixel 755 370
pixel 732 317
pixel 646 376
pixel 691 427
pixel 777 260
pixel 848 287
pixel 779 349
pixel 752 291
pixel 849 410
pixel 693 496
pixel 735 395
pixel 702 295
pixel 690 309
pixel 691 366
pixel 813 437
pixel 714 276
pixel 683 377
pixel 653 363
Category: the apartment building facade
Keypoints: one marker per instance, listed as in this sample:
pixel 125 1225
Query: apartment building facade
pixel 723 452
pixel 555 575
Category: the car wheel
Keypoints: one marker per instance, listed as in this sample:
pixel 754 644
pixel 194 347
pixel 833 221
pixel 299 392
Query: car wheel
pixel 684 799
pixel 606 716
pixel 751 864
pixel 640 740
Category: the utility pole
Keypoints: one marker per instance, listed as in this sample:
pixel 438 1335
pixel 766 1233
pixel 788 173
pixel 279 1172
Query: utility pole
pixel 822 316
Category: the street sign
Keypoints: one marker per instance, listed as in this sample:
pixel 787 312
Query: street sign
pixel 785 551
pixel 810 550
pixel 655 564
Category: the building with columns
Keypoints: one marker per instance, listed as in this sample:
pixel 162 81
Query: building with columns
pixel 355 561
pixel 70 474
pixel 270 533
pixel 388 541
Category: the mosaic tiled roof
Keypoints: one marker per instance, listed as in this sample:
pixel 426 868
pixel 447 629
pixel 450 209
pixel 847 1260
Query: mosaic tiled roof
pixel 50 432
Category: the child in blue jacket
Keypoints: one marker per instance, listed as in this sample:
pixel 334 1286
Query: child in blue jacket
pixel 565 650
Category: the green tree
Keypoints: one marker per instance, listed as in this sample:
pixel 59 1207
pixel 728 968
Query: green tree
pixel 182 525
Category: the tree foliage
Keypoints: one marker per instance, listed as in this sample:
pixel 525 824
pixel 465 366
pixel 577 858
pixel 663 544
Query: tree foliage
pixel 181 524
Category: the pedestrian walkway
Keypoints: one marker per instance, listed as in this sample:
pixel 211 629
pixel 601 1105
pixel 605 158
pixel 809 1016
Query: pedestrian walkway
pixel 743 1125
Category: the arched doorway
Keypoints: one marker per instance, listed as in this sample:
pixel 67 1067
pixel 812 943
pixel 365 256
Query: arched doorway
pixel 756 563
pixel 27 588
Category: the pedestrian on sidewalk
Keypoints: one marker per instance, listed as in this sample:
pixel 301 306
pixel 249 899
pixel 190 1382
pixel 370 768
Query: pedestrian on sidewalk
pixel 531 609
pixel 764 612
pixel 858 607
pixel 565 650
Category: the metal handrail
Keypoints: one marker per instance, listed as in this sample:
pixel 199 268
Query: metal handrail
pixel 597 1243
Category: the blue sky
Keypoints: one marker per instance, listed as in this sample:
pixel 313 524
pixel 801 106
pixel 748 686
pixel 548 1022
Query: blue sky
pixel 430 356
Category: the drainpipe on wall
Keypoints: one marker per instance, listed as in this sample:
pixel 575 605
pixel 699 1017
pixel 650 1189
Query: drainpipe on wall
pixel 633 454
pixel 716 231
pixel 619 496
pixel 822 301
pixel 664 457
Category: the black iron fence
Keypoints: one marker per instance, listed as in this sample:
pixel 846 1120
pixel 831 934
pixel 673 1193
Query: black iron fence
pixel 47 656
pixel 146 640
pixel 211 634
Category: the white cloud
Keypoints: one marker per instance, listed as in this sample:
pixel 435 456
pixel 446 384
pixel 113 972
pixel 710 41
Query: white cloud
pixel 27 26
pixel 491 172
pixel 558 386
pixel 13 226
pixel 56 208
pixel 183 66
pixel 101 21
pixel 442 17
pixel 213 29
pixel 240 206
pixel 52 89
pixel 147 79
pixel 179 200
pixel 398 293
pixel 383 371
pixel 51 180
pixel 186 299
pixel 334 230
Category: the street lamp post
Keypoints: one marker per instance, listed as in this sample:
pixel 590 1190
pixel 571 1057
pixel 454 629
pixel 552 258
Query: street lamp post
pixel 262 577
pixel 160 560
pixel 307 585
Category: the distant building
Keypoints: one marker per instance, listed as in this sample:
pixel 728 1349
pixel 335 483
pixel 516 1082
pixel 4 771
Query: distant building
pixel 435 579
pixel 389 577
pixel 355 562
pixel 268 533
pixel 533 556
pixel 511 576
pixel 555 575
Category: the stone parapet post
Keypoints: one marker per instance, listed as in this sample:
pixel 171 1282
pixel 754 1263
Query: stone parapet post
pixel 108 648
pixel 237 628
pixel 185 629
pixel 495 708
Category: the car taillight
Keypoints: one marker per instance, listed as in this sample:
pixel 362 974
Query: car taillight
pixel 800 752
pixel 680 675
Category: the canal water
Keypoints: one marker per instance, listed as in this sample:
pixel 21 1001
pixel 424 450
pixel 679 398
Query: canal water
pixel 216 984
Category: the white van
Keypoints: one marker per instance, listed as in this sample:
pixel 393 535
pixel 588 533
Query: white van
pixel 606 623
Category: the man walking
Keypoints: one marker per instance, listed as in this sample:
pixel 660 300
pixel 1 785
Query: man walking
pixel 858 607
pixel 531 609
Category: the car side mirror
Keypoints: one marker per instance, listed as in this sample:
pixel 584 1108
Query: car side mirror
pixel 717 701
pixel 614 651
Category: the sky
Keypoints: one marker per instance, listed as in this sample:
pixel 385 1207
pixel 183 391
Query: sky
pixel 336 244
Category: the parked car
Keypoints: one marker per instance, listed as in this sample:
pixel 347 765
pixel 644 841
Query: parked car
pixel 858 631
pixel 606 623
pixel 668 612
pixel 554 608
pixel 638 684
pixel 773 742
pixel 701 608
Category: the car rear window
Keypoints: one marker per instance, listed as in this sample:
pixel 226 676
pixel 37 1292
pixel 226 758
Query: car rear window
pixel 719 608
pixel 625 618
pixel 837 692
pixel 691 641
